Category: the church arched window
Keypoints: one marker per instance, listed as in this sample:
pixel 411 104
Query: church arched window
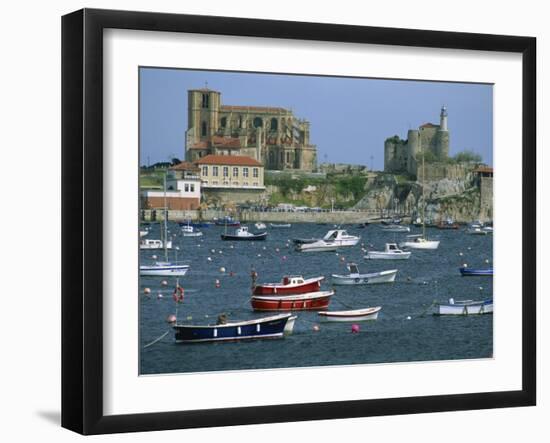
pixel 274 124
pixel 258 122
pixel 203 129
pixel 223 122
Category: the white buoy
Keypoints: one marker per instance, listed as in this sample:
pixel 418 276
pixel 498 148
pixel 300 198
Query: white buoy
pixel 481 288
pixel 222 269
pixel 465 265
pixel 231 247
pixel 154 257
pixel 220 251
pixel 263 248
pixel 486 260
pixel 159 295
pixel 147 291
pixel 209 259
pixel 213 251
pixel 276 249
pixel 171 319
pixel 408 317
pixel 461 254
pixel 164 283
pixel 259 255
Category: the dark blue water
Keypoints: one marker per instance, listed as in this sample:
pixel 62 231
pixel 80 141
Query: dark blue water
pixel 425 277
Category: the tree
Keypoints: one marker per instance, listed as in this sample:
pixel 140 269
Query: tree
pixel 467 156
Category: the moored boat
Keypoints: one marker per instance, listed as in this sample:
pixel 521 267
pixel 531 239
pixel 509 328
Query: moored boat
pixel 317 246
pixel 464 307
pixel 447 224
pixel 260 226
pixel 280 225
pixel 276 326
pixel 341 238
pixel 396 228
pixel 243 233
pixel 189 231
pixel 391 252
pixel 419 242
pixel 353 315
pixel 228 221
pixel 165 269
pixel 289 285
pixel 476 230
pixel 467 272
pixel 299 302
pixel 356 278
pixel 151 243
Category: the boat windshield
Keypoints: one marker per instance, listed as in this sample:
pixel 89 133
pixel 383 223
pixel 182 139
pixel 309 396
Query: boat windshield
pixel 353 268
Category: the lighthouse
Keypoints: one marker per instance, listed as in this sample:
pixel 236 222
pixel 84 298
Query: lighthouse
pixel 443 119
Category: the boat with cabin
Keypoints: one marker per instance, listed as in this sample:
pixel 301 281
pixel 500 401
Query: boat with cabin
pixel 298 302
pixel 334 239
pixel 354 315
pixel 419 241
pixel 390 252
pixel 289 285
pixel 243 234
pixel 276 326
pixel 464 307
pixel 227 221
pixel 356 278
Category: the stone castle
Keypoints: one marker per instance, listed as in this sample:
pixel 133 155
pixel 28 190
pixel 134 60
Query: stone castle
pixel 400 156
pixel 271 135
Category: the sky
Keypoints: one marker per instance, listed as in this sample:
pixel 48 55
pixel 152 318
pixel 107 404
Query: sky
pixel 350 117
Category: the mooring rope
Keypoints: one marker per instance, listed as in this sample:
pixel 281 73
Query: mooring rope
pixel 157 339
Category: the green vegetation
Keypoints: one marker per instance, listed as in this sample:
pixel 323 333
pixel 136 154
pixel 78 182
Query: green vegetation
pixel 467 156
pixel 152 179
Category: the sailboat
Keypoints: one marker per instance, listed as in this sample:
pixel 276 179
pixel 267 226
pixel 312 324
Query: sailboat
pixel 164 268
pixel 420 241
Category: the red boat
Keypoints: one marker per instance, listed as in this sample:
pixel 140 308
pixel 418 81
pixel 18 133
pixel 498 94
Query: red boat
pixel 289 285
pixel 299 302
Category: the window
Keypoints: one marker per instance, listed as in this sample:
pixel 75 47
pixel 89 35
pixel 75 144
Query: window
pixel 240 121
pixel 215 171
pixel 274 124
pixel 235 184
pixel 205 100
pixel 235 172
pixel 245 184
pixel 223 122
pixel 225 171
pixel 192 187
pixel 258 122
pixel 255 172
pixel 255 184
pixel 282 156
pixel 245 172
pixel 203 129
pixel 205 171
pixel 186 187
pixel 225 182
pixel 288 157
pixel 214 182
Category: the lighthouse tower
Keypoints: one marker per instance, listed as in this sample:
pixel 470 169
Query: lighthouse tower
pixel 443 119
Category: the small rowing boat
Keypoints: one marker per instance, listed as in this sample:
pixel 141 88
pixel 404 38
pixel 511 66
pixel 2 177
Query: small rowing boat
pixel 464 307
pixel 352 315
pixel 465 272
pixel 356 278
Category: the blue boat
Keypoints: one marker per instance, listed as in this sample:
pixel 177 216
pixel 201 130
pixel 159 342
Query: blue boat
pixel 476 272
pixel 276 326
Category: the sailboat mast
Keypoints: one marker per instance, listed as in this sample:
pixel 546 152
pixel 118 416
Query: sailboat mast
pixel 165 243
pixel 423 202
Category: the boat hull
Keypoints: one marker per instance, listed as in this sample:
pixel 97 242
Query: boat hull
pixel 310 285
pixel 380 255
pixel 254 237
pixel 312 301
pixel 317 247
pixel 165 271
pixel 262 328
pixel 465 272
pixel 426 245
pixel 465 309
pixel 365 279
pixel 356 315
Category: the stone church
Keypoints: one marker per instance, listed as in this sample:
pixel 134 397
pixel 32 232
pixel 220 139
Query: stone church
pixel 271 135
pixel 400 156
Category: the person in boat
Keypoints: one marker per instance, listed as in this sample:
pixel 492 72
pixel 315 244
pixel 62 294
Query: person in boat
pixel 222 319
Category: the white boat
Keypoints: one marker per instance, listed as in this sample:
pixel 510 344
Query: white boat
pixel 280 225
pixel 341 238
pixel 464 307
pixel 189 231
pixel 290 325
pixel 356 278
pixel 354 315
pixel 391 252
pixel 143 233
pixel 260 226
pixel 419 242
pixel 396 228
pixel 317 246
pixel 149 243
pixel 476 231
pixel 164 269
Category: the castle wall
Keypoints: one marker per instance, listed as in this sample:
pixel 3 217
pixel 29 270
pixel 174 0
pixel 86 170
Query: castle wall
pixel 439 171
pixel 486 199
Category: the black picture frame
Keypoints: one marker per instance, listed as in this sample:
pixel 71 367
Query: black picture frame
pixel 82 230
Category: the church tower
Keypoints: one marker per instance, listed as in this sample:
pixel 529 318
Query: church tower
pixel 203 107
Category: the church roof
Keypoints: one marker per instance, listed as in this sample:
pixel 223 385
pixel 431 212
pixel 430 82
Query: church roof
pixel 233 160
pixel 259 109
pixel 226 142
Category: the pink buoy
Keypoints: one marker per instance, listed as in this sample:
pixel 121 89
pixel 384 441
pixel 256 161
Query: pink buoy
pixel 171 318
pixel 218 284
pixel 316 328
pixel 231 273
pixel 355 328
pixel 284 257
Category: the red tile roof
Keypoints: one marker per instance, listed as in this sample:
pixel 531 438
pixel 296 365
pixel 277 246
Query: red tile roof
pixel 184 166
pixel 237 160
pixel 266 109
pixel 226 142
